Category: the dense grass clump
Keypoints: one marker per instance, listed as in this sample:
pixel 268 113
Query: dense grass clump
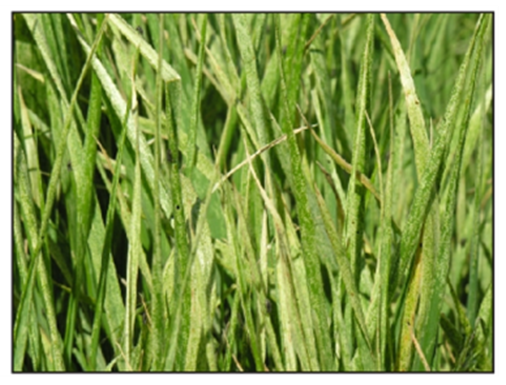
pixel 252 192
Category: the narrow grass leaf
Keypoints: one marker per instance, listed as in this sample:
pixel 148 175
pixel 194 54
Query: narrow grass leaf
pixel 168 73
pixel 311 261
pixel 418 212
pixel 192 134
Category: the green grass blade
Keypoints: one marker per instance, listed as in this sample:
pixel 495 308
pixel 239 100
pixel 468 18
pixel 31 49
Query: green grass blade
pixel 316 51
pixel 414 109
pixel 105 257
pixel 47 210
pixel 418 212
pixel 84 183
pixel 168 73
pixel 192 135
pixel 106 246
pixel 442 266
pixel 120 106
pixel 355 194
pixel 474 128
pixel 31 153
pixel 157 308
pixel 281 236
pixel 29 219
pixel 385 257
pixel 343 262
pixel 422 151
pixel 311 260
pixel 182 261
pixel 249 61
pixel 134 250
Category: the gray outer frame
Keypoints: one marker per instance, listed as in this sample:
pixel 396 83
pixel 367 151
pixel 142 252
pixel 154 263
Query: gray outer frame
pixel 281 378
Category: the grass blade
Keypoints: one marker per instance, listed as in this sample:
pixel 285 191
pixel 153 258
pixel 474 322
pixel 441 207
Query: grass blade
pixel 168 73
pixel 192 135
pixel 431 229
pixel 418 212
pixel 311 261
pixel 134 251
pixel 47 210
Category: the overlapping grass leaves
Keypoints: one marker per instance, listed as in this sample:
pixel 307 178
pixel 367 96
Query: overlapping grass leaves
pixel 241 192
